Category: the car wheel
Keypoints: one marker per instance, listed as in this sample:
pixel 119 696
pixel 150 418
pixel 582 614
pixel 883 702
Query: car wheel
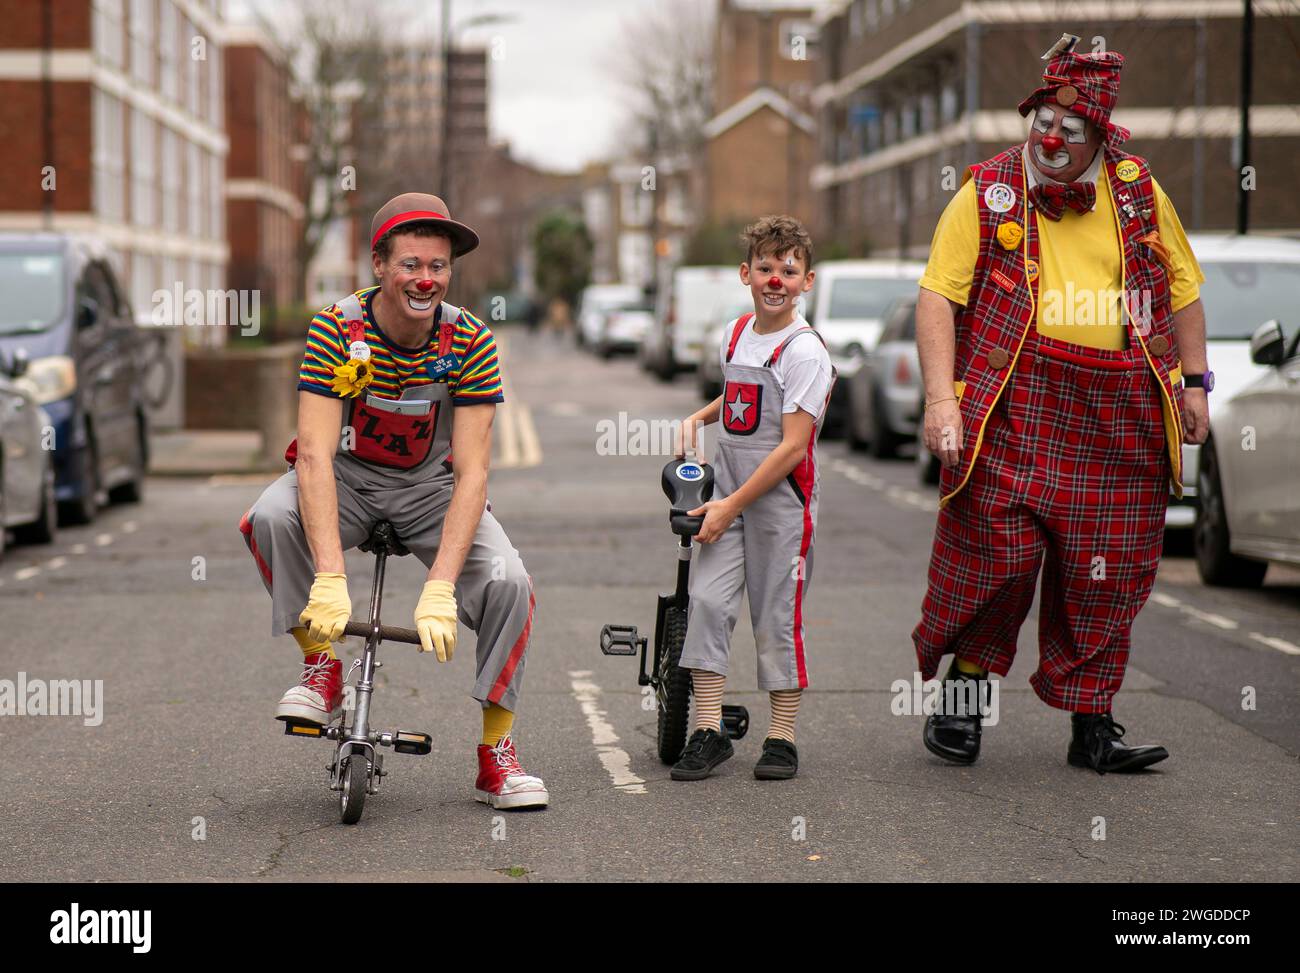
pixel 884 443
pixel 43 529
pixel 1215 562
pixel 85 507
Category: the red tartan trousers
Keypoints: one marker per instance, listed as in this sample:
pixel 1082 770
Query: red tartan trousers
pixel 1073 475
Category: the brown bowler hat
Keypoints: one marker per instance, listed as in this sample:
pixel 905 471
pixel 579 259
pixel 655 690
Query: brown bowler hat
pixel 422 208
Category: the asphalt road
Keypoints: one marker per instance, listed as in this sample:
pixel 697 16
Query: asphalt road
pixel 189 777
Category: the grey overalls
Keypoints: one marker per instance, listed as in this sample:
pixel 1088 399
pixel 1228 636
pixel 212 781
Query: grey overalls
pixel 768 549
pixel 396 467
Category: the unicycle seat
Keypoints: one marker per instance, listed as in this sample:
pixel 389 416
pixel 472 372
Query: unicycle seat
pixel 383 537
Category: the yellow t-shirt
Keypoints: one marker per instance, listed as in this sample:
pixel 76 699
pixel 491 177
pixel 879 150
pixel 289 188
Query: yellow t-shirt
pixel 1079 302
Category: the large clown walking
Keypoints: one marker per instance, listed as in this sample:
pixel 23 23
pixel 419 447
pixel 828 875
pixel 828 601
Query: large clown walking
pixel 1062 341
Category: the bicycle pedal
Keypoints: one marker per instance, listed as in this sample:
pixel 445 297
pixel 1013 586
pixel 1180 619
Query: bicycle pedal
pixel 735 721
pixel 293 728
pixel 619 640
pixel 407 741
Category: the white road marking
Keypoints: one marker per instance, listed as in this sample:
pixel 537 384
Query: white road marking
pixel 55 563
pixel 1169 601
pixel 103 540
pixel 129 527
pixel 24 573
pixel 1282 645
pixel 1211 618
pixel 78 549
pixel 615 759
pixel 509 457
pixel 565 409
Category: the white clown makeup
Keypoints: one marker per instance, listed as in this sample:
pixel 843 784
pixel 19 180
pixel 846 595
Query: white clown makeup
pixel 1061 143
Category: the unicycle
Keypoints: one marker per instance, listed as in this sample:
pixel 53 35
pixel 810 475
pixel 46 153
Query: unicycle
pixel 688 485
pixel 358 767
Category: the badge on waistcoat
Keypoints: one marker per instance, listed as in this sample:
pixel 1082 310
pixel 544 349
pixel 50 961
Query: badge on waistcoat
pixel 1009 235
pixel 442 366
pixel 742 404
pixel 999 197
pixel 1128 170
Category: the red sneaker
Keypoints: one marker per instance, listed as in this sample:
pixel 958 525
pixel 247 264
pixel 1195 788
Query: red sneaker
pixel 503 783
pixel 318 698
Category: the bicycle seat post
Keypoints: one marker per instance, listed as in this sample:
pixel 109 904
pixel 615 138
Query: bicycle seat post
pixel 381 543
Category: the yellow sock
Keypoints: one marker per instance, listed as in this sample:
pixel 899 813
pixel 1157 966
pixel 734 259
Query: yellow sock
pixel 496 724
pixel 970 668
pixel 308 646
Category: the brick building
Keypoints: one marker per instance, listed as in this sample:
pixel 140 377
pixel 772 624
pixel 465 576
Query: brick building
pixel 760 144
pixel 911 91
pixel 133 127
pixel 264 179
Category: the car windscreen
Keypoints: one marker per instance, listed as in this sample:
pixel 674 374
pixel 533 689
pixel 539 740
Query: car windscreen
pixel 865 297
pixel 33 289
pixel 1239 296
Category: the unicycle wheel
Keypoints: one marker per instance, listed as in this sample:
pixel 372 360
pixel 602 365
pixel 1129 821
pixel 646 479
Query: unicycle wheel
pixel 352 799
pixel 674 689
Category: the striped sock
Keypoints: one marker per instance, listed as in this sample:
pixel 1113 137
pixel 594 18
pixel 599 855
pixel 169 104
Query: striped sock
pixel 707 688
pixel 785 708
pixel 308 646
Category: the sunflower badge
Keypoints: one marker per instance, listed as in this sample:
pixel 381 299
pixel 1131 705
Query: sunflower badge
pixel 1009 235
pixel 351 378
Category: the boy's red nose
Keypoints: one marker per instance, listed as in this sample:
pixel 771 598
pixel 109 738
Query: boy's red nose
pixel 1053 143
pixel 774 283
pixel 424 285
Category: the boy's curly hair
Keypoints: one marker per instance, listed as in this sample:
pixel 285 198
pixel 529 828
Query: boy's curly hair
pixel 777 235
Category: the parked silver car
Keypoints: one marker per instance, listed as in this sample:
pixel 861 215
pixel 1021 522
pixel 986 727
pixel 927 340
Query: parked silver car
pixel 1248 479
pixel 884 390
pixel 28 505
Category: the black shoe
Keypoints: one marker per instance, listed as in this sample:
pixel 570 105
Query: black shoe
pixel 704 751
pixel 955 735
pixel 780 760
pixel 1096 744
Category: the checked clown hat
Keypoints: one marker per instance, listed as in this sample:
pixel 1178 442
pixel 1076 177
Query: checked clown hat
pixel 1086 84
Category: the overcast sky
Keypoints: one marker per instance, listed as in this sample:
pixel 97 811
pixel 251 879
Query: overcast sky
pixel 551 91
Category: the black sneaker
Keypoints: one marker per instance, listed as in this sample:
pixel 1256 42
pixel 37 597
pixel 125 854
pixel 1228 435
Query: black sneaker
pixel 704 751
pixel 780 760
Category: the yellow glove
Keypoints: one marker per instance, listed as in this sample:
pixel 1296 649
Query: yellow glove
pixel 328 607
pixel 435 619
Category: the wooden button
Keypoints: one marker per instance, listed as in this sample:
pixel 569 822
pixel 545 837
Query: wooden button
pixel 1159 345
pixel 998 358
pixel 1067 95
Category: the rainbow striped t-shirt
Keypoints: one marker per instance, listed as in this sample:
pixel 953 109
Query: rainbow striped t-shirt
pixel 477 379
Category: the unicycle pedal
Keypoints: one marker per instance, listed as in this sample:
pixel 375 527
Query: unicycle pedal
pixel 620 640
pixel 735 721
pixel 408 741
pixel 296 728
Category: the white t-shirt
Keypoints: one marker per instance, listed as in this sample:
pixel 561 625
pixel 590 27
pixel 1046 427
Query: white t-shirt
pixel 803 371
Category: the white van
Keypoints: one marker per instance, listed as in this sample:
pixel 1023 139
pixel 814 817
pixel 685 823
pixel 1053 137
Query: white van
pixel 688 309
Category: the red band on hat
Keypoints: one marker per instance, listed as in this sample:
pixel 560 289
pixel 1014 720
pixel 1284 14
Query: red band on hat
pixel 415 214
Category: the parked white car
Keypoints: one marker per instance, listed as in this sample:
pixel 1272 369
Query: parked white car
pixel 596 302
pixel 1248 280
pixel 849 301
pixel 685 309
pixel 1249 471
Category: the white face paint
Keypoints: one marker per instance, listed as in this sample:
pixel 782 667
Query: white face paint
pixel 1060 159
pixel 1075 129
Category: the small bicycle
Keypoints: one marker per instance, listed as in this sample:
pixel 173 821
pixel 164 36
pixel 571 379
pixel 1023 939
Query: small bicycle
pixel 687 484
pixel 358 767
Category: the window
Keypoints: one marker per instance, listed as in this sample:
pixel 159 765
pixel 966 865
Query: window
pixel 949 103
pixel 855 18
pixel 873 15
pixel 168 52
pixel 193 190
pixel 801 32
pixel 171 181
pixel 215 202
pixel 192 68
pixel 106 33
pixel 143 169
pixel 107 154
pixel 929 110
pixel 142 41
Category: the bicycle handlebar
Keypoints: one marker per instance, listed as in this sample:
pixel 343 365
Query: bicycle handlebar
pixel 387 633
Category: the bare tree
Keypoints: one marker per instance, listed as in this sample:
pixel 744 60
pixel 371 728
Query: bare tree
pixel 664 66
pixel 338 63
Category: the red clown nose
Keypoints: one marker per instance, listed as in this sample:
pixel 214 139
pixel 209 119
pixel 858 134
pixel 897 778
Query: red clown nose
pixel 424 285
pixel 1053 143
pixel 774 283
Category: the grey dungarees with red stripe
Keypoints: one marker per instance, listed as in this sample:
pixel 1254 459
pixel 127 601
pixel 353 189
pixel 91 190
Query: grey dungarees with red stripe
pixel 397 469
pixel 768 550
